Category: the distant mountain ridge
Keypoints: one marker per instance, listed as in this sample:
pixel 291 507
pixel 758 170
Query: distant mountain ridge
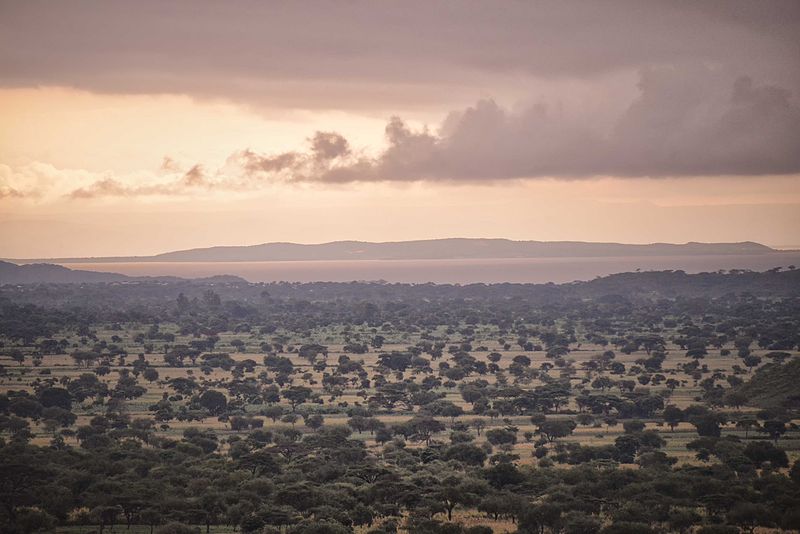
pixel 433 249
pixel 46 273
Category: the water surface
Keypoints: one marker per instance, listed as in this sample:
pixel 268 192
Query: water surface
pixel 462 271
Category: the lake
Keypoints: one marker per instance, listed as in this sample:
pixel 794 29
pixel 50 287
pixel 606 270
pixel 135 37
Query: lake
pixel 462 271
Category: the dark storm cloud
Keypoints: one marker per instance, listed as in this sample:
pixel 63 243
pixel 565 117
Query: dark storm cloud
pixel 365 51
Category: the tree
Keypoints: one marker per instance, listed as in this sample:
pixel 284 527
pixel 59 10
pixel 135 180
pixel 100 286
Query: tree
pixel 672 416
pixel 778 356
pixel 314 421
pixel 422 428
pixel 290 418
pixel 748 516
pixel 274 412
pixel 633 427
pixel 683 519
pixel 602 383
pixel 445 409
pixel 455 491
pixel 297 395
pixel 55 396
pixel 552 430
pixel 697 353
pixel 707 424
pixel 751 361
pixel 259 462
pixel 478 425
pixel 735 398
pixel 763 451
pixel 576 522
pixel 60 416
pixel 150 374
pixel 377 341
pixel 466 453
pixel 26 408
pixel 501 437
pixel 747 423
pixel 213 401
pixel 537 518
pixel 773 428
pixel 17 355
pixel 106 515
pixel 472 394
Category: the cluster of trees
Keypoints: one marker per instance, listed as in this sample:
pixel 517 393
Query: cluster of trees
pixel 281 465
pixel 765 304
pixel 327 482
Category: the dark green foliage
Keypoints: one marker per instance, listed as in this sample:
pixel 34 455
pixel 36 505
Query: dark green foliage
pixel 315 468
pixel 774 385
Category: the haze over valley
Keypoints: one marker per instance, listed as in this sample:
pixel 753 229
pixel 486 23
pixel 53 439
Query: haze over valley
pixel 446 261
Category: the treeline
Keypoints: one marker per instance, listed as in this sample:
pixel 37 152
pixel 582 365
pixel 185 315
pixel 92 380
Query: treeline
pixel 327 483
pixel 650 284
pixel 28 312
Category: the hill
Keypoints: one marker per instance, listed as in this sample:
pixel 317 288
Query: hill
pixel 774 385
pixel 457 248
pixel 46 273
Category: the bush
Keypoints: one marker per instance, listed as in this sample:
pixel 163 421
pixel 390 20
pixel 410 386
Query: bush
pixel 580 523
pixel 34 520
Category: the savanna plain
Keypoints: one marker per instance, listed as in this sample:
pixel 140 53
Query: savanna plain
pixel 641 402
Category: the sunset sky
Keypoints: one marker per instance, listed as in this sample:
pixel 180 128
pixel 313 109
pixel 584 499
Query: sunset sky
pixel 141 127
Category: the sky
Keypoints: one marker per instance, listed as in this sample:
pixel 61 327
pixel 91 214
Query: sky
pixel 131 128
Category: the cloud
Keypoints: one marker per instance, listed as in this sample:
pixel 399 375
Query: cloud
pixel 354 54
pixel 195 177
pixel 9 192
pixel 27 183
pixel 104 187
pixel 43 181
pixel 694 124
pixel 192 180
pixel 327 152
pixel 684 122
pixel 327 146
pixel 169 165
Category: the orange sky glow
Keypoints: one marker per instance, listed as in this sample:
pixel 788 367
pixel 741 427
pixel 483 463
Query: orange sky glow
pixel 142 159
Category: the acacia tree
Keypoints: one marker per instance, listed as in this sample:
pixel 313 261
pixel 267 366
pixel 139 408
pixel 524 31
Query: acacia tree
pixel 297 395
pixel 423 428
pixel 552 430
pixel 455 491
